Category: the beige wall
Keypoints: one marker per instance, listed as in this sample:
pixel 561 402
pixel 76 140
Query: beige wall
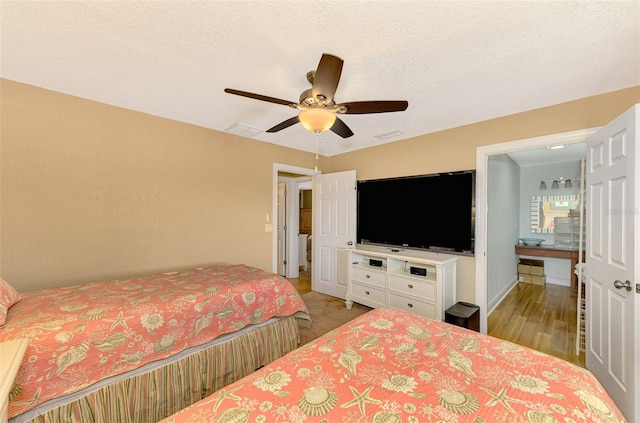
pixel 90 191
pixel 455 149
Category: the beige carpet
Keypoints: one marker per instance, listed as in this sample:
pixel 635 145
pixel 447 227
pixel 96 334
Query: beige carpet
pixel 327 313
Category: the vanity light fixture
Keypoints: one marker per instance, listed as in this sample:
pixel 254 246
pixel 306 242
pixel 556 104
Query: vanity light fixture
pixel 555 183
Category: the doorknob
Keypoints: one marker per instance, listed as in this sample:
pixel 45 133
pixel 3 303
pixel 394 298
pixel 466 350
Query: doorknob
pixel 620 285
pixel 350 243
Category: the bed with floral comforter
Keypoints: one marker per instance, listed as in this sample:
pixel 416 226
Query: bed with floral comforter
pixel 84 334
pixel 390 366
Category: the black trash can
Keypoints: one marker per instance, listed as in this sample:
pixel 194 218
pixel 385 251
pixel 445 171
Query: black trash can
pixel 465 315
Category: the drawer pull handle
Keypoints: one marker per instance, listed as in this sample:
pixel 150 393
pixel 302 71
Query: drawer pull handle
pixel 366 292
pixel 410 305
pixel 410 286
pixel 368 276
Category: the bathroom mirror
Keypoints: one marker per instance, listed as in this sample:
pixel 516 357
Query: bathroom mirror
pixel 544 208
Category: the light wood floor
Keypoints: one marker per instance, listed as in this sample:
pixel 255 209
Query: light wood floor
pixel 539 317
pixel 303 282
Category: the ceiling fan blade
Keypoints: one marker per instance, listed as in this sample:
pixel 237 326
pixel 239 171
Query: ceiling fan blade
pixel 325 81
pixel 259 97
pixel 283 125
pixel 363 107
pixel 341 128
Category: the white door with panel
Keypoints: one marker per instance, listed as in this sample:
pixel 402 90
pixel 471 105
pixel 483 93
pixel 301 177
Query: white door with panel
pixel 612 291
pixel 334 230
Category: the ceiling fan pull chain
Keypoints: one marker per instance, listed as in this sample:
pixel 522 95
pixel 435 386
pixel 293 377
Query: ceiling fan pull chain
pixel 316 167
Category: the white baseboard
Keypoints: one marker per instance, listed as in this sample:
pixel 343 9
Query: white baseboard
pixel 558 281
pixel 505 291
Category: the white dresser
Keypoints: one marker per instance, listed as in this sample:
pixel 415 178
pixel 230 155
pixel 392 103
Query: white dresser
pixel 11 353
pixel 404 280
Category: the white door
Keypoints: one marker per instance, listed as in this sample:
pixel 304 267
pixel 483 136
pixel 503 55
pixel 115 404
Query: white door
pixel 334 230
pixel 612 295
pixel 282 228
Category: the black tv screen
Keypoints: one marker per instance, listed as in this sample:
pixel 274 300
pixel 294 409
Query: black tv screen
pixel 434 212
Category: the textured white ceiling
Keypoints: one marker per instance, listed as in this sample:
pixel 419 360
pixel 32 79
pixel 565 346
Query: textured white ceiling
pixel 455 62
pixel 568 153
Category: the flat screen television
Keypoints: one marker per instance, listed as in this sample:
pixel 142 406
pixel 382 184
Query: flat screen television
pixel 426 212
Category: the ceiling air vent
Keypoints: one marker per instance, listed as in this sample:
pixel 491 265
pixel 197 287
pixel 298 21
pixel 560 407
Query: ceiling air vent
pixel 388 135
pixel 243 130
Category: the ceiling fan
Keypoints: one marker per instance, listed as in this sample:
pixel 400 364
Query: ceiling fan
pixel 318 109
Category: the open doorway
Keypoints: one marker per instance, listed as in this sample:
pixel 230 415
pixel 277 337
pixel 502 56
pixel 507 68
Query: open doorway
pixel 491 252
pixel 484 248
pixel 288 181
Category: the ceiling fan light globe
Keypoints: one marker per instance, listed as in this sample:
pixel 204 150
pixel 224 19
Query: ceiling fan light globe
pixel 317 120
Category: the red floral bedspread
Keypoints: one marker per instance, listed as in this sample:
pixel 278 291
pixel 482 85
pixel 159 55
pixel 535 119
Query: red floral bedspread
pixel 392 366
pixel 85 333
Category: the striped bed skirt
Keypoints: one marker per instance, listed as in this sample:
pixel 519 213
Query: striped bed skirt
pixel 151 396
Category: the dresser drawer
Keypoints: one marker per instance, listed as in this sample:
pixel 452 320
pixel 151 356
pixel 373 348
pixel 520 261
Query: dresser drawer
pixel 413 286
pixel 369 276
pixel 367 295
pixel 423 308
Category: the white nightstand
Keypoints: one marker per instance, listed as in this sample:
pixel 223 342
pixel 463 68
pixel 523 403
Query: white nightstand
pixel 11 353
